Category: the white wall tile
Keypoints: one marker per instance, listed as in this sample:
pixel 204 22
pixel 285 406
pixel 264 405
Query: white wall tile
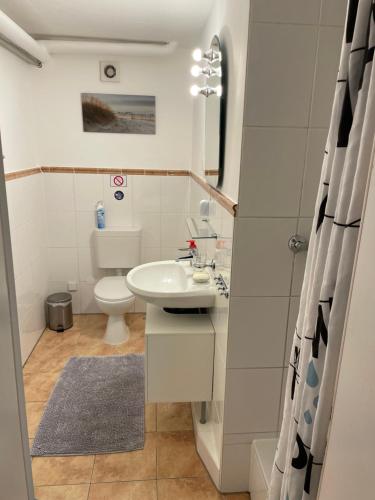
pixel 61 228
pixel 20 245
pixel 147 194
pixel 174 232
pixel 287 11
pixel 197 194
pixel 151 228
pixel 18 210
pixel 280 75
pixel 88 191
pixel 169 253
pixel 248 437
pixel 62 264
pixel 174 194
pixel 333 12
pixel 117 212
pixel 235 467
pixel 304 229
pixel 219 378
pixel 219 315
pixel 314 160
pixel 139 305
pixel 292 321
pixel 88 303
pixel 252 400
pixel 257 328
pixel 326 75
pixel 88 270
pixel 272 167
pixel 150 255
pixel 59 189
pixel 262 261
pixel 86 223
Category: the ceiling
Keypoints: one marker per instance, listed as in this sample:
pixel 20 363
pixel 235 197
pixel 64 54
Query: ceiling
pixel 156 20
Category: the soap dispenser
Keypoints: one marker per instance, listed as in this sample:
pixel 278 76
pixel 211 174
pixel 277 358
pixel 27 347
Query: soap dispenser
pixel 100 215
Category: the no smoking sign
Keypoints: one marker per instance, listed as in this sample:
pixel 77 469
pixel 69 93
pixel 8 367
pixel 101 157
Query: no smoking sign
pixel 119 181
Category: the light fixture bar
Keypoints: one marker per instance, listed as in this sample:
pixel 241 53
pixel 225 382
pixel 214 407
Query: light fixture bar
pixel 71 38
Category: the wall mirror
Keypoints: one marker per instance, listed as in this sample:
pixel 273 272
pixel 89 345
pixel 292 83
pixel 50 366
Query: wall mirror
pixel 215 111
pixel 213 68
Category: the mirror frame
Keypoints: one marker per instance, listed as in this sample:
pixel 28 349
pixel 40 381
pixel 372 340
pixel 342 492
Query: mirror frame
pixel 216 44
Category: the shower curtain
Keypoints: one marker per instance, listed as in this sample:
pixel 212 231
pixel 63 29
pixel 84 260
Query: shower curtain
pixel 318 335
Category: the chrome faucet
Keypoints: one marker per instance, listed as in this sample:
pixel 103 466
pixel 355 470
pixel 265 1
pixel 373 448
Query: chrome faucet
pixel 192 253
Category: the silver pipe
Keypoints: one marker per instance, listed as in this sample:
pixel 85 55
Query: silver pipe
pixel 21 53
pixel 203 419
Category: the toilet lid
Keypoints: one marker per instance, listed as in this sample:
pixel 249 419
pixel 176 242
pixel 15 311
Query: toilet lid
pixel 112 289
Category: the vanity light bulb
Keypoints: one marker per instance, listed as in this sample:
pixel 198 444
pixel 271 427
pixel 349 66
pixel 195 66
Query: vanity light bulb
pixel 219 90
pixel 196 70
pixel 194 90
pixel 197 55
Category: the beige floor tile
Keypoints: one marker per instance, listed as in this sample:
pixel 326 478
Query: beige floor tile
pixel 50 357
pixel 177 456
pixel 136 323
pixel 174 417
pixel 150 417
pixel 136 490
pixel 90 342
pixel 135 345
pixel 71 492
pixel 92 321
pixel 39 386
pixel 187 489
pixel 236 496
pixel 34 412
pixel 131 466
pixel 49 471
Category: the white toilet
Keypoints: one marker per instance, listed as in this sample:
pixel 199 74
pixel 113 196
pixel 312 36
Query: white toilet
pixel 116 249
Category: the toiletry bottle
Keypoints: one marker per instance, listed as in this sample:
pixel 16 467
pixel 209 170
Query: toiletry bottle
pixel 100 215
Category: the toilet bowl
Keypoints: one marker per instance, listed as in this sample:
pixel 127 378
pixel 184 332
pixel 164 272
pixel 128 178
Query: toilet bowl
pixel 114 299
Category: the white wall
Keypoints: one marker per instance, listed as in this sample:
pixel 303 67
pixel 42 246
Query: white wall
pixel 59 125
pixel 17 117
pixel 231 24
pixel 348 469
pixel 25 196
pixel 292 65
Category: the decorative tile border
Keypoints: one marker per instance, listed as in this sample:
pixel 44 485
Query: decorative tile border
pixel 10 176
pixel 229 205
pixel 221 198
pixel 123 171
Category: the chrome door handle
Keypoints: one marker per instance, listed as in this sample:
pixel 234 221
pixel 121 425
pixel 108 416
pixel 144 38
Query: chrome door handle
pixel 297 243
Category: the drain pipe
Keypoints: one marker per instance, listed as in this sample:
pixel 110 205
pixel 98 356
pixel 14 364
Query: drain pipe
pixel 203 419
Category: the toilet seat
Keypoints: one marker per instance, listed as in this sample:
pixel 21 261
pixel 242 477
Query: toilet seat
pixel 113 289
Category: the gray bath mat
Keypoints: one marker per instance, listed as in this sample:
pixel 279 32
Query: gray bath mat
pixel 97 406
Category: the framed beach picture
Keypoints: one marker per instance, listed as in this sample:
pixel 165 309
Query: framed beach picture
pixel 118 114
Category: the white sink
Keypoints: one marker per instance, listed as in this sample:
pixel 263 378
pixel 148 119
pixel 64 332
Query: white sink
pixel 170 284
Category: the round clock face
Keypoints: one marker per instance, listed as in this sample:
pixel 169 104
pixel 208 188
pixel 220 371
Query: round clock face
pixel 110 71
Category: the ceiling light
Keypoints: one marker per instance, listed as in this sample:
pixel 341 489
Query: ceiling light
pixel 197 55
pixel 194 90
pixel 196 70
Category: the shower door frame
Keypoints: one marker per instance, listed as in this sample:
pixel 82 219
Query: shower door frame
pixel 15 462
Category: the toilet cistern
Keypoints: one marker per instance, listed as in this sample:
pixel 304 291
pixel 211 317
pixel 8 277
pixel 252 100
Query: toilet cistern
pixel 116 248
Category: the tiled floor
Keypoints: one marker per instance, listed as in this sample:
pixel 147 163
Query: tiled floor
pixel 167 469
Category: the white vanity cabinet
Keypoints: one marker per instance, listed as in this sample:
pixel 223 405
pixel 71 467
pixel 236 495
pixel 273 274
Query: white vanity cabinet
pixel 179 356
